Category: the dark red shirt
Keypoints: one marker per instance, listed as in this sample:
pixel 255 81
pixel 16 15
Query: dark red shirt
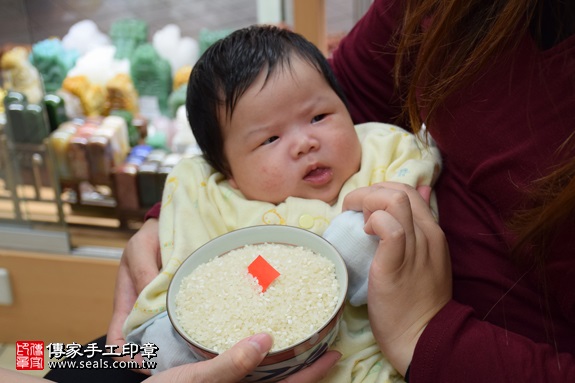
pixel 497 135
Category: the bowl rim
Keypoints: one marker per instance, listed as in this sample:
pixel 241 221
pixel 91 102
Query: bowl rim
pixel 173 289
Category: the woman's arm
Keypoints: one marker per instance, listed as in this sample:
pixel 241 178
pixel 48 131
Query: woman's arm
pixel 139 264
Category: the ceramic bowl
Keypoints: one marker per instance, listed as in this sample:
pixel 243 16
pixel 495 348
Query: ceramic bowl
pixel 284 362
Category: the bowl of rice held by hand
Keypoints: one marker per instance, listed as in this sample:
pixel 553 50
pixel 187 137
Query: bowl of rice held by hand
pixel 286 281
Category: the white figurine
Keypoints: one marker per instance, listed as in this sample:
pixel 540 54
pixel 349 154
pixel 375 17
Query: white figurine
pixel 177 50
pixel 84 36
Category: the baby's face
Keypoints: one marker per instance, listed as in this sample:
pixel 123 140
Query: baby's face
pixel 291 137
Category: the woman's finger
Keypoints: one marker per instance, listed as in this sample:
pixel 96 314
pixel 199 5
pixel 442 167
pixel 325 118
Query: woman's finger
pixel 240 360
pixel 395 202
pixel 392 238
pixel 388 214
pixel 419 199
pixel 229 367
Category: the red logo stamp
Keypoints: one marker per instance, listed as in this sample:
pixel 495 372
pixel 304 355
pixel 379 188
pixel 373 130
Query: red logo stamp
pixel 29 355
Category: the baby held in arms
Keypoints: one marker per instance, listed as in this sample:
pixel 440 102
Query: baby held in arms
pixel 278 147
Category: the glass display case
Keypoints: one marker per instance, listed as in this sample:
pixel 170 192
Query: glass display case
pixel 31 208
pixel 64 186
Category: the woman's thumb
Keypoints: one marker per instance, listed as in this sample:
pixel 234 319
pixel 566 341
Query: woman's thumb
pixel 242 358
pixel 229 367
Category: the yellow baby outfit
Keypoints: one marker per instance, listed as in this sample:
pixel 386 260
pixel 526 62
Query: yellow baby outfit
pixel 199 204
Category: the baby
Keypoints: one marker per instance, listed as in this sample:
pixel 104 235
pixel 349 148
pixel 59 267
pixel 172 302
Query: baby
pixel 279 147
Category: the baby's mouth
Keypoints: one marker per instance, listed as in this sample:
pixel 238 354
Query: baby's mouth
pixel 318 175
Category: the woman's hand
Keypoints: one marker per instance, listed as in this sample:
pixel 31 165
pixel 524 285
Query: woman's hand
pixel 234 364
pixel 140 263
pixel 410 275
pixel 229 367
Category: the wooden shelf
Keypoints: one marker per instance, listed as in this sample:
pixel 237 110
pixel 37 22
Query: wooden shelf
pixel 57 298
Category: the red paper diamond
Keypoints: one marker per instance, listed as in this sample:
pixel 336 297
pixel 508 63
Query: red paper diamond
pixel 263 272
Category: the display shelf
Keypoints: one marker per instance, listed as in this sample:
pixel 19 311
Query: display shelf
pixel 38 210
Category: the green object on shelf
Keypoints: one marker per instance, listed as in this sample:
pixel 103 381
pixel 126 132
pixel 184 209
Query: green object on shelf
pixel 152 76
pixel 56 110
pixel 158 140
pixel 147 183
pixel 53 62
pixel 176 99
pixel 133 133
pixel 127 35
pixel 25 123
pixel 14 97
pixel 207 37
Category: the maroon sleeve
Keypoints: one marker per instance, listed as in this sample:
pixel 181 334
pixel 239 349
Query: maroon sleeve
pixel 457 347
pixel 154 211
pixel 363 64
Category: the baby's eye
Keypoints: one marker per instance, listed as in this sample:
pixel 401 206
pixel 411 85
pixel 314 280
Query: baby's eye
pixel 270 140
pixel 318 118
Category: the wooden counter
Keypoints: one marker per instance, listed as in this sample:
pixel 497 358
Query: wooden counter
pixel 56 298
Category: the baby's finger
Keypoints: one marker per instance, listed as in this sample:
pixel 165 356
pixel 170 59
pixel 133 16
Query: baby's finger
pixel 425 193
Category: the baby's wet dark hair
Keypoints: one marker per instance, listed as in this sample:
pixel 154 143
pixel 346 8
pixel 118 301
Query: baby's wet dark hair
pixel 229 67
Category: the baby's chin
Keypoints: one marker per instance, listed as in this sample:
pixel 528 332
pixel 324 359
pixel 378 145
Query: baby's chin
pixel 279 201
pixel 328 197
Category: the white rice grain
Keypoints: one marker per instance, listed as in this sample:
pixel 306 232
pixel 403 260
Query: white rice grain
pixel 220 303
